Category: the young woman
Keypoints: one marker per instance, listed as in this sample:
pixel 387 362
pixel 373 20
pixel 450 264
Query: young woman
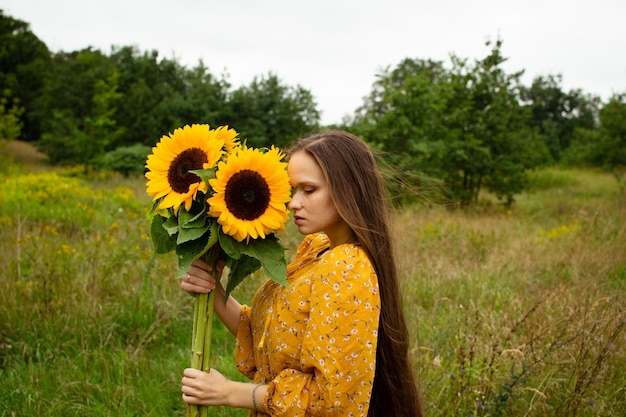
pixel 334 342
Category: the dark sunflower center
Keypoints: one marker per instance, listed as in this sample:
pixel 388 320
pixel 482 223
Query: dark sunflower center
pixel 179 176
pixel 247 195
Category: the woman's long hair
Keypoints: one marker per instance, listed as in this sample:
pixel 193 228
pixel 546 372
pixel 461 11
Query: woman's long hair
pixel 359 193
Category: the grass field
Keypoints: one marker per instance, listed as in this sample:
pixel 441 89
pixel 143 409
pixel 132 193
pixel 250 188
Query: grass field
pixel 516 312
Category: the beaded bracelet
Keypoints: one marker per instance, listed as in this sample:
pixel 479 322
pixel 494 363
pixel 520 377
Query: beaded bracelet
pixel 254 397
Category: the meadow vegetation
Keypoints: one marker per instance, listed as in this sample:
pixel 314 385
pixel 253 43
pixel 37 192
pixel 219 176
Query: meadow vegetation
pixel 513 312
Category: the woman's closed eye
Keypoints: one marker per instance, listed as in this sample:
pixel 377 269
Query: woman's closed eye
pixel 305 190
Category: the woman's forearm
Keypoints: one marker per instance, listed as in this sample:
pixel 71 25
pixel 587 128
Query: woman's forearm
pixel 246 395
pixel 227 309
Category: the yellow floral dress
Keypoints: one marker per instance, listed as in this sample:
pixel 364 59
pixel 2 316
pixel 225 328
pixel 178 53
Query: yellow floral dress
pixel 314 342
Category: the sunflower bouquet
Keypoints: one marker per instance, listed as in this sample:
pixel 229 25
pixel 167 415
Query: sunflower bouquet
pixel 215 198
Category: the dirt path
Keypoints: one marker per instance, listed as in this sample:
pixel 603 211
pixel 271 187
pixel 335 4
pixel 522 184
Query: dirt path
pixel 22 151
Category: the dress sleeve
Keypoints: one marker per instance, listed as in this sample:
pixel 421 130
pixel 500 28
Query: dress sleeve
pixel 338 351
pixel 244 350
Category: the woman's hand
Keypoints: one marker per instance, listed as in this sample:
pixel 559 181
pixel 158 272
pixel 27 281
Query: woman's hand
pixel 204 388
pixel 200 277
pixel 213 388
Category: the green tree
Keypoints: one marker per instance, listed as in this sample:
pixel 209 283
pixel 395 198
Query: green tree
pixel 268 112
pixel 499 149
pixel 101 126
pixel 403 118
pixel 555 114
pixel 613 132
pixel 24 62
pixel 464 125
pixel 605 146
pixel 397 114
pixel 10 123
pixel 84 104
pixel 204 98
pixel 154 96
pixel 76 107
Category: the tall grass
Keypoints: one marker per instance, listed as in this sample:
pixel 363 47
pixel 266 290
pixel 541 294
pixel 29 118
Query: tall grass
pixel 512 312
pixel 522 312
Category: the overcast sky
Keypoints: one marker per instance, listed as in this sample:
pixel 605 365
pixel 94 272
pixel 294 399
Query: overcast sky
pixel 335 48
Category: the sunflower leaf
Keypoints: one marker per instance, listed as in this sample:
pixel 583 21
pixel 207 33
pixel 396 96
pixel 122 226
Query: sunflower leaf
pixel 269 252
pixel 192 226
pixel 162 241
pixel 272 256
pixel 193 249
pixel 155 206
pixel 204 174
pixel 230 246
pixel 190 234
pixel 199 220
pixel 171 225
pixel 240 269
pixel 196 217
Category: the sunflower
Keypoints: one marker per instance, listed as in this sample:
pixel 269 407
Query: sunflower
pixel 186 149
pixel 251 190
pixel 229 136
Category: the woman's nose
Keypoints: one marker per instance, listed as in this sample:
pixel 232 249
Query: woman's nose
pixel 294 204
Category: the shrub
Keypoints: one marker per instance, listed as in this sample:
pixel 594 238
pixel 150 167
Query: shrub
pixel 127 160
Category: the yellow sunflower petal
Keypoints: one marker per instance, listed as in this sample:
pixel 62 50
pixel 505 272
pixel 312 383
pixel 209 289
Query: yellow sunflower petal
pixel 251 190
pixel 229 136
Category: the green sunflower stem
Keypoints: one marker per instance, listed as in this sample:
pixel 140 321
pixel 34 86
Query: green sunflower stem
pixel 201 335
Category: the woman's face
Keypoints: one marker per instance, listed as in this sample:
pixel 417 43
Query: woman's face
pixel 312 204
